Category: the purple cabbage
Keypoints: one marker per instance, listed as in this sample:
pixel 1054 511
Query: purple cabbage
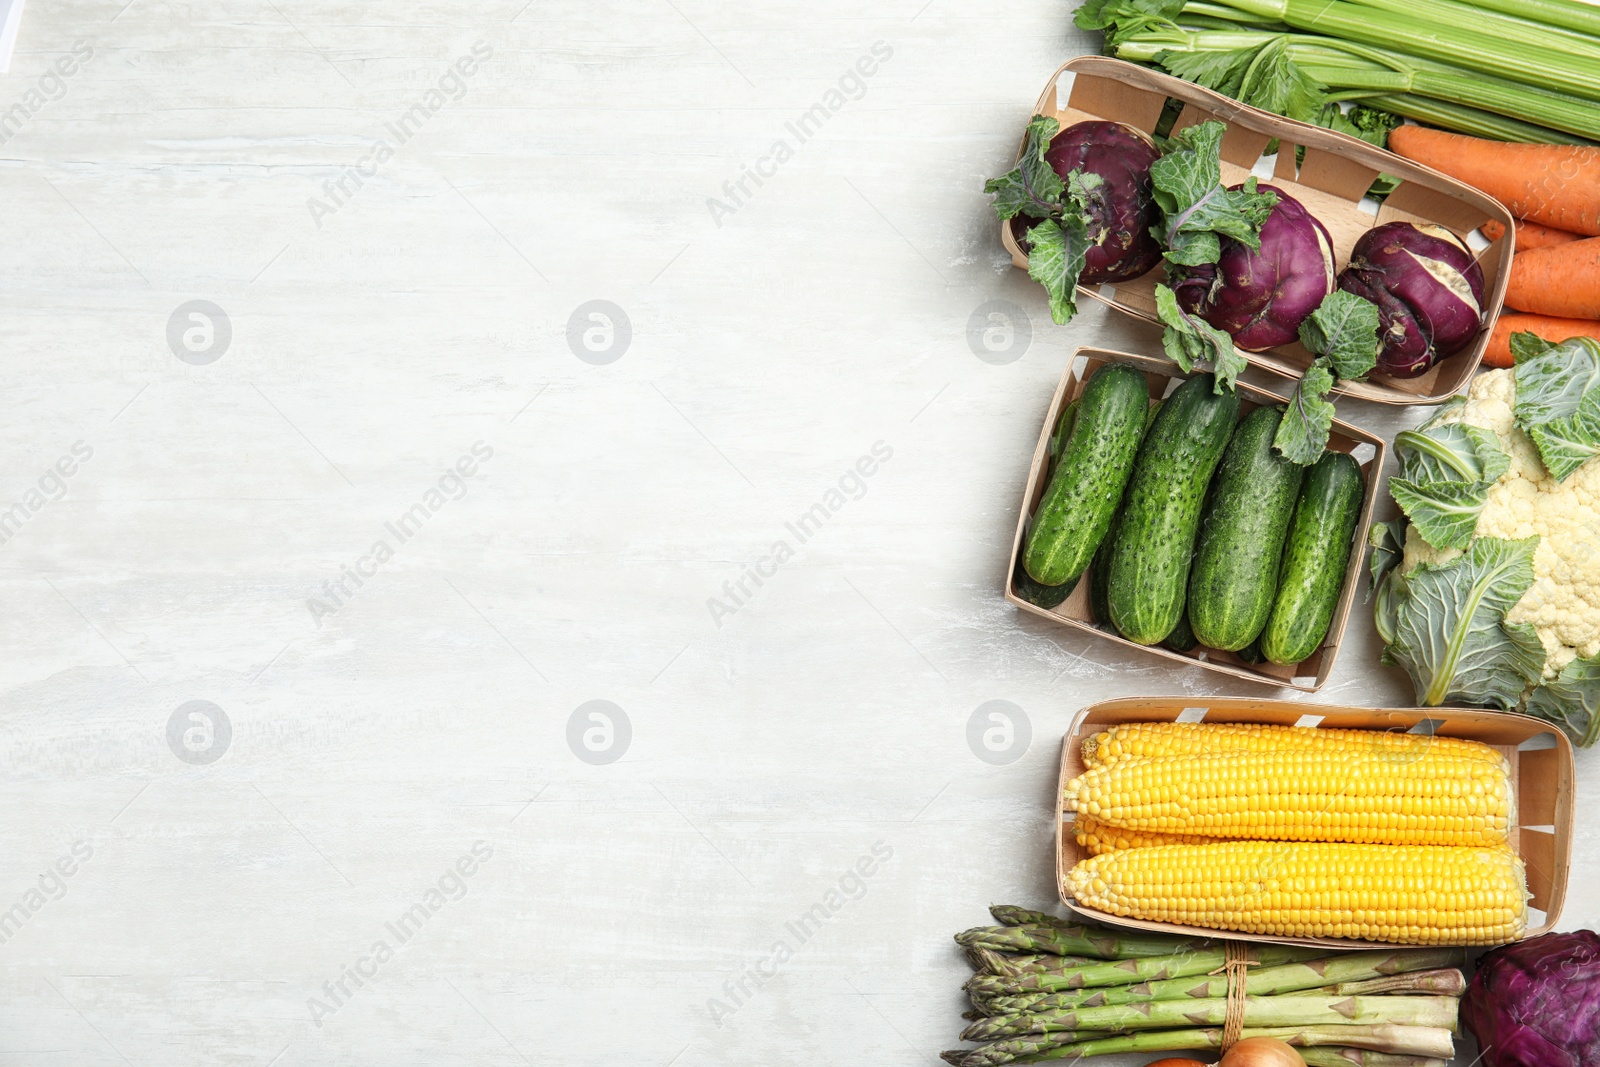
pixel 1261 298
pixel 1120 210
pixel 1536 1003
pixel 1428 288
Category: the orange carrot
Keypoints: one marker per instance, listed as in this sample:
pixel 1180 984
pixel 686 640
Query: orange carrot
pixel 1552 329
pixel 1563 280
pixel 1531 234
pixel 1557 185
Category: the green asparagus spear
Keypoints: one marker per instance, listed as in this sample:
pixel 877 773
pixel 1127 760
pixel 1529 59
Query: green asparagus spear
pixel 1425 1043
pixel 1447 982
pixel 1071 939
pixel 1331 974
pixel 1259 1011
pixel 989 961
pixel 1128 972
pixel 1360 1057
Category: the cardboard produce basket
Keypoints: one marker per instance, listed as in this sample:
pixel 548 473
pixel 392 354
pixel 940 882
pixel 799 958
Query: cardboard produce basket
pixel 1336 172
pixel 1542 780
pixel 1163 376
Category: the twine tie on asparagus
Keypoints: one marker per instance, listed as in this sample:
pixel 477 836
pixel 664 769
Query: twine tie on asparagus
pixel 1236 964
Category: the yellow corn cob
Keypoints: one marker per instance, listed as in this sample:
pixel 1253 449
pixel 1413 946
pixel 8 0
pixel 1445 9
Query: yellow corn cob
pixel 1096 837
pixel 1302 796
pixel 1411 895
pixel 1146 739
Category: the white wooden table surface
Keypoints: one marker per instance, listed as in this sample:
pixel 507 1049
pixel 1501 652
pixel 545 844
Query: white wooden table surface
pixel 398 382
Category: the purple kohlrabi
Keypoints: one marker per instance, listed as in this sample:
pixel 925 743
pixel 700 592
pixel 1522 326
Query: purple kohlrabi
pixel 1261 298
pixel 1120 209
pixel 1428 288
pixel 1536 1003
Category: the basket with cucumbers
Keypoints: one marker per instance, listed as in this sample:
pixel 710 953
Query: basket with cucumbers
pixel 1162 512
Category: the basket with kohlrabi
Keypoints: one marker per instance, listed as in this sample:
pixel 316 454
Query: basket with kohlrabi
pixel 1487 592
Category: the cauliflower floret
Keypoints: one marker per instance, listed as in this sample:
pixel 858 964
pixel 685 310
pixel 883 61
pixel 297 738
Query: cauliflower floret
pixel 1563 604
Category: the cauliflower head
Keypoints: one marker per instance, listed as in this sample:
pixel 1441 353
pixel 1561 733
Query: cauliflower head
pixel 1563 604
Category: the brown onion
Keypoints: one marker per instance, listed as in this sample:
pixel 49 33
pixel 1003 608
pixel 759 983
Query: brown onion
pixel 1261 1052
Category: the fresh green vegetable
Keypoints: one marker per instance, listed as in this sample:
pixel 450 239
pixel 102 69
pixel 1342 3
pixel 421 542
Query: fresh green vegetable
pixel 1314 560
pixel 1293 977
pixel 1153 992
pixel 1046 933
pixel 1518 74
pixel 1096 461
pixel 1196 210
pixel 1343 336
pixel 1259 1011
pixel 1240 550
pixel 1100 579
pixel 1191 341
pixel 1182 638
pixel 1044 596
pixel 1062 431
pixel 1150 556
pixel 1121 972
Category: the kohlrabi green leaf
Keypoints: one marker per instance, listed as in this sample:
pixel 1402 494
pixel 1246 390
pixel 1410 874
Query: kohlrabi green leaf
pixel 1060 247
pixel 1032 187
pixel 1571 700
pixel 1190 340
pixel 1444 513
pixel 1449 627
pixel 1302 436
pixel 1525 345
pixel 1558 403
pixel 1197 212
pixel 1344 331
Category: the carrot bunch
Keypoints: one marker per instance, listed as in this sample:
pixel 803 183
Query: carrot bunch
pixel 1554 191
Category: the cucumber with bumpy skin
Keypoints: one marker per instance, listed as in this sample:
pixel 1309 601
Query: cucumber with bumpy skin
pixel 1044 596
pixel 1315 558
pixel 1098 579
pixel 1182 638
pixel 1235 574
pixel 1092 470
pixel 1149 566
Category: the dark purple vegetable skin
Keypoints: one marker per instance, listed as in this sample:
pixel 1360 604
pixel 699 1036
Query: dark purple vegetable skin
pixel 1261 298
pixel 1536 1003
pixel 1428 288
pixel 1121 210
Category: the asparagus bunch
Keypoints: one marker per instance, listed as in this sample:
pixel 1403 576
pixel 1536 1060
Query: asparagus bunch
pixel 1048 989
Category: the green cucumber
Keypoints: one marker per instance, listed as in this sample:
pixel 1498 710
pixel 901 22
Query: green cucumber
pixel 1314 560
pixel 1097 579
pixel 1149 566
pixel 1235 575
pixel 1044 596
pixel 1063 430
pixel 1182 638
pixel 1090 474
